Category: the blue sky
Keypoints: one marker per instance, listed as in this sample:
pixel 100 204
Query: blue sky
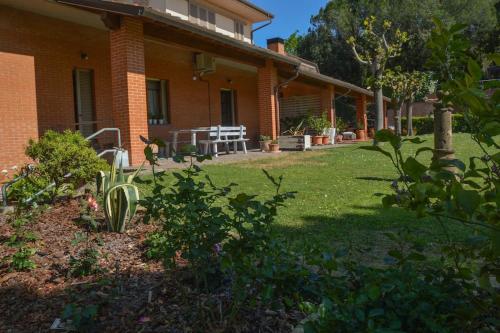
pixel 290 15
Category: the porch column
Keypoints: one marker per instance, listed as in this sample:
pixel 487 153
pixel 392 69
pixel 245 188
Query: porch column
pixel 267 80
pixel 129 86
pixel 328 104
pixel 385 116
pixel 361 113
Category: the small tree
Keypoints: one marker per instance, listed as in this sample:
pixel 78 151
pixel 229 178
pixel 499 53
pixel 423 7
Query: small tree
pixel 396 82
pixel 406 88
pixel 373 49
pixel 419 85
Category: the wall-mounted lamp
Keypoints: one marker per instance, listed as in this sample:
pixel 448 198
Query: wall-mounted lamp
pixel 84 56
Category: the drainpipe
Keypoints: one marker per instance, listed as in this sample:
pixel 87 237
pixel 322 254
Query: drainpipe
pixel 270 20
pixel 200 77
pixel 277 97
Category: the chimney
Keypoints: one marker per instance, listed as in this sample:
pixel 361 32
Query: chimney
pixel 276 45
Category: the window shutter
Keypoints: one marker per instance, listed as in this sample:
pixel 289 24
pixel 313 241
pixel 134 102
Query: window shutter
pixel 193 13
pixel 211 20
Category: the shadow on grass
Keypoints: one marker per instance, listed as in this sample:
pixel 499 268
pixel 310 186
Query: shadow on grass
pixel 378 179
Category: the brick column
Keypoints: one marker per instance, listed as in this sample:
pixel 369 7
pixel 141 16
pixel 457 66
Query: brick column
pixel 385 116
pixel 129 86
pixel 361 111
pixel 267 80
pixel 327 103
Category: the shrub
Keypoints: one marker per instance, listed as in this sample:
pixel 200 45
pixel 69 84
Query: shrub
pixel 61 154
pixel 203 225
pixel 425 125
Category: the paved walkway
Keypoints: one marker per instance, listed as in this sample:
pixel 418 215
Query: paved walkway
pixel 253 154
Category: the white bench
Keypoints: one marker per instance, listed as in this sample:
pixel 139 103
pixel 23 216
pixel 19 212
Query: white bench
pixel 225 135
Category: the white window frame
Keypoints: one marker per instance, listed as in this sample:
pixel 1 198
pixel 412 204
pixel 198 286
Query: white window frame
pixel 210 20
pixel 239 30
pixel 164 103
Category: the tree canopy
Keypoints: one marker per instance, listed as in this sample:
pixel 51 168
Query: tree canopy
pixel 326 41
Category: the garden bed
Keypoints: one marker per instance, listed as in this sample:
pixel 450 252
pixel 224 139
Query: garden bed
pixel 132 293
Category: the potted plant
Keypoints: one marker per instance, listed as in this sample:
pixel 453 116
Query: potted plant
pixel 341 126
pixel 274 146
pixel 264 142
pixel 360 132
pixel 318 125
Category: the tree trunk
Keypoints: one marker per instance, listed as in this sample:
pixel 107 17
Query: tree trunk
pixel 379 108
pixel 397 119
pixel 409 118
pixel 443 145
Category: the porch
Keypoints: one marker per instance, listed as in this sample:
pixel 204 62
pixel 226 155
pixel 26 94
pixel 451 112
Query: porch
pixel 138 73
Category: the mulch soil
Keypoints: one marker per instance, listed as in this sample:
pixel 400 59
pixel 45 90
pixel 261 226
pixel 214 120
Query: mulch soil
pixel 133 294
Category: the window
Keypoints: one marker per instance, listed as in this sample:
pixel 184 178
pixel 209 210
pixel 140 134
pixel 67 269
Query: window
pixel 157 99
pixel 83 87
pixel 202 16
pixel 239 30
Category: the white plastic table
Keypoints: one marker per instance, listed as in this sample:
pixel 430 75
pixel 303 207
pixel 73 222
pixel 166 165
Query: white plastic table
pixel 192 131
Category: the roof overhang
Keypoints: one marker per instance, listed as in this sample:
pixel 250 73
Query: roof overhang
pixel 244 9
pixel 288 63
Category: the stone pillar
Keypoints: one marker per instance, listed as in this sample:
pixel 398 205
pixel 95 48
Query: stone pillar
pixel 267 80
pixel 386 123
pixel 328 104
pixel 128 82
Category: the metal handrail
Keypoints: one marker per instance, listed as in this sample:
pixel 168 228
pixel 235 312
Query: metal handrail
pixel 6 186
pixel 107 129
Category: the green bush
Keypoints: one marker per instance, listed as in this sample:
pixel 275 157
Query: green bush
pixel 425 125
pixel 59 154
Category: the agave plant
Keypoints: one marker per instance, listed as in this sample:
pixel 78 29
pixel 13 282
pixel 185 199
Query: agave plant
pixel 120 196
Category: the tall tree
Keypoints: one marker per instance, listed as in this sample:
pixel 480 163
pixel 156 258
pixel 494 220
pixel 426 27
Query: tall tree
pixel 373 49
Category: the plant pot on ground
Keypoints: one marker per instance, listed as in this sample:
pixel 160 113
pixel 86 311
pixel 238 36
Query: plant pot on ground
pixel 264 142
pixel 361 135
pixel 325 139
pixel 318 124
pixel 274 147
pixel 339 138
pixel 317 140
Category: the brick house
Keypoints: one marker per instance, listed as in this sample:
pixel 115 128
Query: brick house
pixel 148 67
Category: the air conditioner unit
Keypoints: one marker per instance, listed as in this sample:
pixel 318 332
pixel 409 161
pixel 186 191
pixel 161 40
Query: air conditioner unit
pixel 204 63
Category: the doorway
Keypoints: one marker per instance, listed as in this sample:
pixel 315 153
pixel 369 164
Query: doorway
pixel 83 85
pixel 228 107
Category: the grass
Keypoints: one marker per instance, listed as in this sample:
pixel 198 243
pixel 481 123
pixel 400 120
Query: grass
pixel 335 200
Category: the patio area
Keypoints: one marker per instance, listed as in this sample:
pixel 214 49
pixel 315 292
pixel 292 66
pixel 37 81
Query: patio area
pixel 252 155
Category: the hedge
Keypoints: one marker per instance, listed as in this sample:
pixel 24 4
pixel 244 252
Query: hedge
pixel 425 125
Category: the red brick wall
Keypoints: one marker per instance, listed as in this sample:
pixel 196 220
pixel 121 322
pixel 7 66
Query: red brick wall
pixel 128 81
pixel 327 104
pixel 267 79
pixel 54 47
pixel 18 115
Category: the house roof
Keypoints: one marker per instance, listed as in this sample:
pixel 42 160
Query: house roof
pixel 303 66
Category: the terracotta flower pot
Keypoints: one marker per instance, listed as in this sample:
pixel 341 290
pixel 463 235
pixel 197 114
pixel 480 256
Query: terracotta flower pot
pixel 325 139
pixel 274 147
pixel 264 145
pixel 339 138
pixel 317 140
pixel 361 135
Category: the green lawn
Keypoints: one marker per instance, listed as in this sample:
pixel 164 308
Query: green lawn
pixel 335 202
